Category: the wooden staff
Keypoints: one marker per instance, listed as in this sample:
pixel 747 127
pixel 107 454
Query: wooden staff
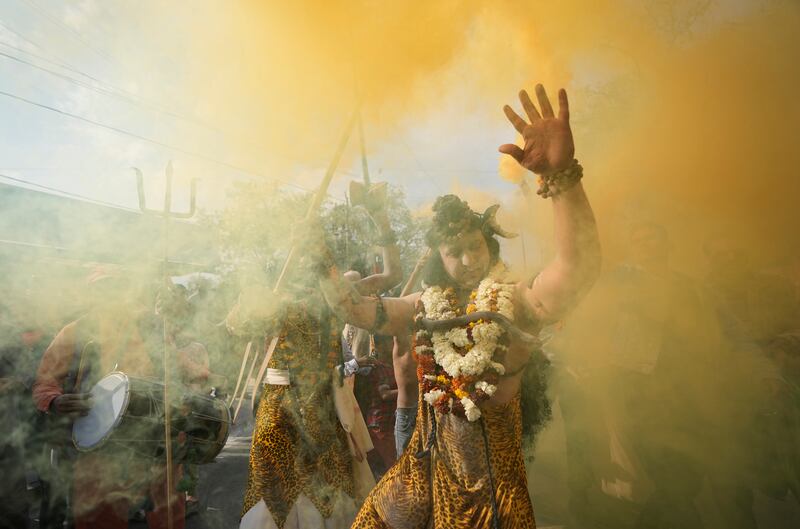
pixel 246 383
pixel 316 202
pixel 167 214
pixel 363 145
pixel 241 372
pixel 320 194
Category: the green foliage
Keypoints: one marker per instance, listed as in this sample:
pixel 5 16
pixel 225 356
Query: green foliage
pixel 256 230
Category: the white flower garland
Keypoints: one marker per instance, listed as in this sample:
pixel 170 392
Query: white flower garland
pixel 485 336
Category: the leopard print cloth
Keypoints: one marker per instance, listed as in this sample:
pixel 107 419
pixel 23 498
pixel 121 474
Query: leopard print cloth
pixel 299 446
pixel 450 487
pixel 458 496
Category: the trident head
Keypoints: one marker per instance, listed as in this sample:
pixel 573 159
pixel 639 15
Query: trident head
pixel 167 211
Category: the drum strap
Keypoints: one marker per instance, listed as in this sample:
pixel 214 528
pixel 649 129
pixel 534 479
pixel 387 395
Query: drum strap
pixel 59 427
pixel 72 383
pixel 86 354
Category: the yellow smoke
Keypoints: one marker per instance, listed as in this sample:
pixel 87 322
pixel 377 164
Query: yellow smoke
pixel 685 112
pixel 682 103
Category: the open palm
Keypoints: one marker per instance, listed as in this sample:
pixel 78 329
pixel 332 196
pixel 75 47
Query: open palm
pixel 548 139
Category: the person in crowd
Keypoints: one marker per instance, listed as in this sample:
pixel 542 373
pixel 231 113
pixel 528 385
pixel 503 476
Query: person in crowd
pixel 305 469
pixel 405 376
pixel 113 336
pixel 376 393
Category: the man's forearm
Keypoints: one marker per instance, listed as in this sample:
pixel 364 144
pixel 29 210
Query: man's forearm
pixel 576 266
pixel 576 237
pixel 391 253
pixel 392 272
pixel 344 298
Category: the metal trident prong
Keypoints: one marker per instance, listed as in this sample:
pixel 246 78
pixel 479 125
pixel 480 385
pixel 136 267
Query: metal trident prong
pixel 167 211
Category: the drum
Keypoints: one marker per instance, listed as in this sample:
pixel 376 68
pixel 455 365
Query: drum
pixel 128 413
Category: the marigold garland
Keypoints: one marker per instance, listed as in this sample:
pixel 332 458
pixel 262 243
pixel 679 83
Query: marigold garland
pixel 460 368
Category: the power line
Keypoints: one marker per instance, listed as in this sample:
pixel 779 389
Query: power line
pixel 42 58
pixel 133 97
pixel 66 193
pixel 71 31
pixel 111 88
pixel 51 169
pixel 50 60
pixel 148 140
pixel 20 35
pixel 99 89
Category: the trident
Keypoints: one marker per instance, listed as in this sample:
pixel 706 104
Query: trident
pixel 166 214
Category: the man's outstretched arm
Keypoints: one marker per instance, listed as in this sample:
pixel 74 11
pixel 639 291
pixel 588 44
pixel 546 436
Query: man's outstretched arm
pixel 549 152
pixel 392 272
pixel 387 316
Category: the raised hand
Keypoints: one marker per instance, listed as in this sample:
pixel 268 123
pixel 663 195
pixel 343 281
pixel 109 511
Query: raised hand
pixel 548 139
pixel 372 197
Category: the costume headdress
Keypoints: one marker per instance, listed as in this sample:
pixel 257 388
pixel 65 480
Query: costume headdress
pixel 452 217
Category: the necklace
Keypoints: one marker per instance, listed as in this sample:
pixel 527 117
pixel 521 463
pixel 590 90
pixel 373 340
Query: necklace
pixel 460 368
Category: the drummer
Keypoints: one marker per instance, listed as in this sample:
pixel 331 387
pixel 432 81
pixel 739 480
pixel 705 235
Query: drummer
pixel 109 338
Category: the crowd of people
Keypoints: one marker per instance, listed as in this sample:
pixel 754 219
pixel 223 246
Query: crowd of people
pixel 47 381
pixel 683 399
pixel 379 403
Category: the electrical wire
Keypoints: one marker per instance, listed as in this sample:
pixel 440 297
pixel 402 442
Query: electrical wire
pixel 149 140
pixel 97 89
pixel 111 91
pixel 77 36
pixel 65 193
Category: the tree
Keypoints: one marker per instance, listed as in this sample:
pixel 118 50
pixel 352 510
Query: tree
pixel 255 231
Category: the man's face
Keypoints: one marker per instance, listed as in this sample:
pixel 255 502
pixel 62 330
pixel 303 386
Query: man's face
pixel 466 260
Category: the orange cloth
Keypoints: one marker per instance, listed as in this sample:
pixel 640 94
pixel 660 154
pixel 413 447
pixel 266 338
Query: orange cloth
pixel 107 481
pixel 121 349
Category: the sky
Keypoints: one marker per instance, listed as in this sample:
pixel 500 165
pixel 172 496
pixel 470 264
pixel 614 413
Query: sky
pixel 118 66
pixel 239 90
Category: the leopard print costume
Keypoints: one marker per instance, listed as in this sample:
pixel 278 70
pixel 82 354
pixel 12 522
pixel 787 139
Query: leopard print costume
pixel 298 445
pixel 449 488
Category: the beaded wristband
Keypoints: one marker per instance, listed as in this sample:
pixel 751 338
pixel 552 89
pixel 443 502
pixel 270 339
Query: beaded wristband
pixel 552 184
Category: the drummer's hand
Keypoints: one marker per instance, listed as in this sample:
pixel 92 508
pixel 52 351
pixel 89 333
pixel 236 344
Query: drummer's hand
pixel 75 404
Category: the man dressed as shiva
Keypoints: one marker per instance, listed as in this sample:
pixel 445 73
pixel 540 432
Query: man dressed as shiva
pixel 474 330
